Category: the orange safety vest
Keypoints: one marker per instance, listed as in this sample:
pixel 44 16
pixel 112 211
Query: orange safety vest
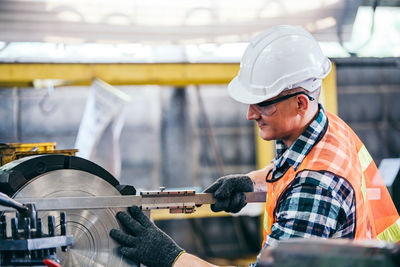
pixel 341 152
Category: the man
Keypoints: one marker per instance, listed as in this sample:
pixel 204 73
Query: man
pixel 322 182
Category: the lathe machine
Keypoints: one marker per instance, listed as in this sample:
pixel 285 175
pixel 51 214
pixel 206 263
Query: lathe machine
pixel 74 200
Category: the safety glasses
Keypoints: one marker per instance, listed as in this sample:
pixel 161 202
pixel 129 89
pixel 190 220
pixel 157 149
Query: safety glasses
pixel 268 108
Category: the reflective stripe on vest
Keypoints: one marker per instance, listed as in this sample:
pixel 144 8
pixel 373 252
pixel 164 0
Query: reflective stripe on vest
pixel 365 160
pixel 392 233
pixel 341 152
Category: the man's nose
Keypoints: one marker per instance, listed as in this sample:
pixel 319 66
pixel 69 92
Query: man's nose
pixel 252 113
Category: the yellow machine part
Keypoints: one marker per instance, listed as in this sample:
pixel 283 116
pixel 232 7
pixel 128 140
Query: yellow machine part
pixel 13 151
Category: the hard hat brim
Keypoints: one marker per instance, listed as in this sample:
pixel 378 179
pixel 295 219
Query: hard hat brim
pixel 241 94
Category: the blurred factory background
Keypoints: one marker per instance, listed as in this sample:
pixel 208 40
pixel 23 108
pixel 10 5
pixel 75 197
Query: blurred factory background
pixel 173 60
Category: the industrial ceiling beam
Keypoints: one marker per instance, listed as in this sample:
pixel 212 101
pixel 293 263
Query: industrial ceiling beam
pixel 178 74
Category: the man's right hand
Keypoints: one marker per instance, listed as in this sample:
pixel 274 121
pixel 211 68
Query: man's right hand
pixel 229 192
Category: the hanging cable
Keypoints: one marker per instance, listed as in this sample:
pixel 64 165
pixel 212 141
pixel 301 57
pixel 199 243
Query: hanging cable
pixel 210 134
pixel 45 104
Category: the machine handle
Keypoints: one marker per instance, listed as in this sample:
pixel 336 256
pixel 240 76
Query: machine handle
pixel 9 202
pixel 51 263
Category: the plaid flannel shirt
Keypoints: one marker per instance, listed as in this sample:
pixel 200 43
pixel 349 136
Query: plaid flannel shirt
pixel 319 203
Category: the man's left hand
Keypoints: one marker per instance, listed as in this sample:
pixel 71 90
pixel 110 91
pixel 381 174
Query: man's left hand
pixel 144 241
pixel 229 192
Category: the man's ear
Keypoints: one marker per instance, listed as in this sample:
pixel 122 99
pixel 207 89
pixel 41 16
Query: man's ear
pixel 302 104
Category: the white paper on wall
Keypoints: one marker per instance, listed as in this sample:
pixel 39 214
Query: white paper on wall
pixel 101 125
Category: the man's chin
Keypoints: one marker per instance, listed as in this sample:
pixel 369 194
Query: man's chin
pixel 266 136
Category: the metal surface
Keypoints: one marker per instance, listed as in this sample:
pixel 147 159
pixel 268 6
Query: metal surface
pixel 15 174
pixel 36 243
pixel 166 200
pixel 12 203
pixel 90 228
pixel 331 252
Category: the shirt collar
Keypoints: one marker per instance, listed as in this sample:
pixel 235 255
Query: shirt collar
pixel 294 155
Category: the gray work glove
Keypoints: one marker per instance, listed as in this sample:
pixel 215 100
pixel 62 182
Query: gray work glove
pixel 144 242
pixel 229 192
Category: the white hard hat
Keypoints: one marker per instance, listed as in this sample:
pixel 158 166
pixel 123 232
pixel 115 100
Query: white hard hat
pixel 279 58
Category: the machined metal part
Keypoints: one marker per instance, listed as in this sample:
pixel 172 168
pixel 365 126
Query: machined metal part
pixel 153 200
pixel 89 227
